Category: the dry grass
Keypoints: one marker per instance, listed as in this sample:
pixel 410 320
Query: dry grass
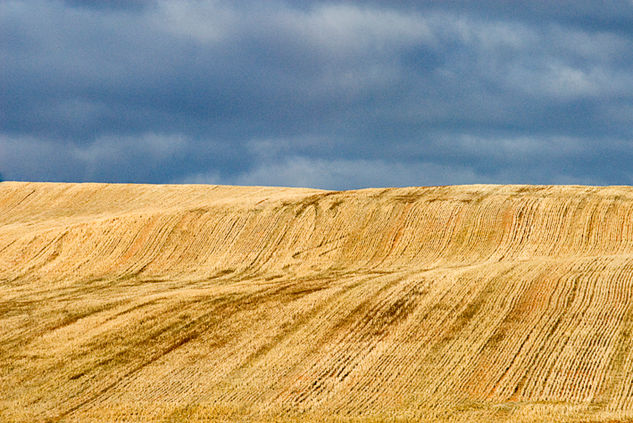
pixel 205 303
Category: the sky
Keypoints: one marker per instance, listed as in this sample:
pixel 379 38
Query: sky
pixel 322 94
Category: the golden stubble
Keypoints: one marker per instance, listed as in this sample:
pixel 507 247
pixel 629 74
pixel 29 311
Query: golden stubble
pixel 175 303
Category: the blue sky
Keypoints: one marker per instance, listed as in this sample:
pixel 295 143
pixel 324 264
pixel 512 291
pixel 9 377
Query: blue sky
pixel 335 95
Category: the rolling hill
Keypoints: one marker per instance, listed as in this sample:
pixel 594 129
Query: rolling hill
pixel 170 303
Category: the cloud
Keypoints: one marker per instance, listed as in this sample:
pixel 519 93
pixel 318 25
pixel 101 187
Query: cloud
pixel 347 29
pixel 108 158
pixel 344 174
pixel 205 22
pixel 244 91
pixel 448 159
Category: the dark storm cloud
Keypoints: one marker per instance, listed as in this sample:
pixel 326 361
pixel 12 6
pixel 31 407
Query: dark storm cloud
pixel 323 94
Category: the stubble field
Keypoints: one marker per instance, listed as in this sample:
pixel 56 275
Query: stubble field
pixel 134 303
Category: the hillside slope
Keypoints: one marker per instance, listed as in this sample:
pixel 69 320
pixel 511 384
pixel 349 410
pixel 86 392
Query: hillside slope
pixel 212 303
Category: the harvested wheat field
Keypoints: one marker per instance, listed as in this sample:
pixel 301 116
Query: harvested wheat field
pixel 134 303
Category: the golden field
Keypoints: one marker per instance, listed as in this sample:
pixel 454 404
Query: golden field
pixel 168 303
